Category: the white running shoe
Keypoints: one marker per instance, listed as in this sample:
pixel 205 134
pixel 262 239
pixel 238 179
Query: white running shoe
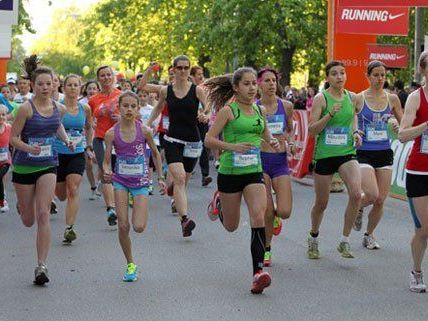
pixel 417 282
pixel 5 207
pixel 370 243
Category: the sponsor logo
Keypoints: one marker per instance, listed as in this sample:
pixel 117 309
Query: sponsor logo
pixel 385 56
pixel 369 15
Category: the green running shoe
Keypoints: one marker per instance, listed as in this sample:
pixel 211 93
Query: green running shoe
pixel 69 235
pixel 345 249
pixel 131 273
pixel 267 259
pixel 313 252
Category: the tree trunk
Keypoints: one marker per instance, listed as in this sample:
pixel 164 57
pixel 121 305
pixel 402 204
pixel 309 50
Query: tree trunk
pixel 202 60
pixel 286 63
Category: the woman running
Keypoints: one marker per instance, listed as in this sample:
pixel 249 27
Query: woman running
pixel 279 116
pixel 77 121
pixel 104 107
pixel 34 131
pixel 129 138
pixel 414 126
pixel 240 173
pixel 333 121
pixel 182 143
pixel 89 89
pixel 5 159
pixel 375 107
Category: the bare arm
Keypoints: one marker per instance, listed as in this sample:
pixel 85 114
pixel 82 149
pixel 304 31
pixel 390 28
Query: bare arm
pixel 158 108
pixel 316 122
pixel 25 112
pixel 108 140
pixel 407 132
pixel 396 107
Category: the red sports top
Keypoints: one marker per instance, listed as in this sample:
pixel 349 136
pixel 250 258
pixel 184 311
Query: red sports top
pixel 418 161
pixel 4 145
pixel 102 107
pixel 164 120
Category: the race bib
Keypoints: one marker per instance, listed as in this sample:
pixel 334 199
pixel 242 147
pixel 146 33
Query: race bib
pixel 45 145
pixel 424 143
pixel 165 122
pixel 130 166
pixel 376 132
pixel 74 136
pixel 156 139
pixel 275 123
pixel 336 136
pixel 250 158
pixel 193 150
pixel 4 154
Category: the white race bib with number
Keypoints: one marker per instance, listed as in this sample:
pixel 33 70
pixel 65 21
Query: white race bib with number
pixel 193 150
pixel 275 124
pixel 251 158
pixel 336 136
pixel 4 154
pixel 375 135
pixel 75 137
pixel 45 144
pixel 424 143
pixel 130 169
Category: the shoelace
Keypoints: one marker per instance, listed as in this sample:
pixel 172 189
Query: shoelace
pixel 419 278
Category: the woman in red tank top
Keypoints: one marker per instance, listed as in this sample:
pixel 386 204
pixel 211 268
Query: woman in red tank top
pixel 414 126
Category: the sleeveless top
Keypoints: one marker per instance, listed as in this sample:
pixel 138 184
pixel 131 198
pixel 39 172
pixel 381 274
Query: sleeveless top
pixel 74 126
pixel 336 138
pixel 242 129
pixel 183 113
pixel 39 130
pixel 131 168
pixel 276 123
pixel 4 145
pixel 374 124
pixel 418 158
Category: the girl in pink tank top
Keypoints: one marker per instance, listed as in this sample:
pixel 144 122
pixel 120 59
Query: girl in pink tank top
pixel 129 138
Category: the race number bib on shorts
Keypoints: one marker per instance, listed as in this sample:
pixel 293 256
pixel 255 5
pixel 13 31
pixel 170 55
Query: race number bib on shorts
pixel 424 143
pixel 4 154
pixel 376 132
pixel 45 145
pixel 336 136
pixel 165 122
pixel 275 123
pixel 74 136
pixel 250 158
pixel 130 166
pixel 193 150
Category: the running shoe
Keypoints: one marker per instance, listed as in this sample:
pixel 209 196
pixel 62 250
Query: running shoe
pixel 261 280
pixel 4 207
pixel 151 189
pixel 41 275
pixel 173 208
pixel 214 207
pixel 345 249
pixel 130 200
pixel 206 180
pixel 216 164
pixel 417 282
pixel 370 243
pixel 268 258
pixel 94 195
pixel 187 226
pixel 54 209
pixel 170 190
pixel 111 217
pixel 69 235
pixel 130 274
pixel 359 220
pixel 313 252
pixel 277 225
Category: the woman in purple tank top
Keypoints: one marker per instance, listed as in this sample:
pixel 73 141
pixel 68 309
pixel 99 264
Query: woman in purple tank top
pixel 279 119
pixel 375 107
pixel 129 138
pixel 36 125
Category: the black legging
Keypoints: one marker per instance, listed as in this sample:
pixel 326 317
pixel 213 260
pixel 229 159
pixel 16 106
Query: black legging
pixel 203 159
pixel 3 171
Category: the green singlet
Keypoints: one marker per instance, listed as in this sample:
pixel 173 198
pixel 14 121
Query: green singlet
pixel 243 129
pixel 336 138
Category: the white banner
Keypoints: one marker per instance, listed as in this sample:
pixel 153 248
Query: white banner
pixel 5 41
pixel 9 12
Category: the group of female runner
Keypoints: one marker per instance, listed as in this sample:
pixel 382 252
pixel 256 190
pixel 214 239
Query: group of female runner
pixel 51 140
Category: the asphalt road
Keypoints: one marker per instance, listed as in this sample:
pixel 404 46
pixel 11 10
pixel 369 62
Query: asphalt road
pixel 208 276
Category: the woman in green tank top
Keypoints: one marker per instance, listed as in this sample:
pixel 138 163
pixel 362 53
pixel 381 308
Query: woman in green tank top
pixel 240 173
pixel 333 120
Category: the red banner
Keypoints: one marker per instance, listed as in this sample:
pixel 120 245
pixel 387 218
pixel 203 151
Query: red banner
pixel 372 20
pixel 384 3
pixel 299 163
pixel 391 55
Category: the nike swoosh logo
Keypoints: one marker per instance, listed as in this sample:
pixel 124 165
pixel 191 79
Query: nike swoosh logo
pixel 393 17
pixel 400 57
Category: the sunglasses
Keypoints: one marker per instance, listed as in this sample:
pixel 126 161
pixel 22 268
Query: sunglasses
pixel 182 68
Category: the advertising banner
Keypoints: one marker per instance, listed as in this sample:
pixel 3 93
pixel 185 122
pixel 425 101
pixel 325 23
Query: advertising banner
pixel 372 20
pixel 9 12
pixel 385 3
pixel 392 56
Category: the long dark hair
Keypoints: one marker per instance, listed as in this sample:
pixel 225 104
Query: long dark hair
pixel 33 69
pixel 221 88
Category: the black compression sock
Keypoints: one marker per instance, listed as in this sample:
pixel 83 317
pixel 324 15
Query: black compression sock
pixel 258 240
pixel 267 248
pixel 93 188
pixel 314 234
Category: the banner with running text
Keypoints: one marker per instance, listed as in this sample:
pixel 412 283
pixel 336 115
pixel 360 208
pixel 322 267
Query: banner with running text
pixel 393 56
pixel 392 21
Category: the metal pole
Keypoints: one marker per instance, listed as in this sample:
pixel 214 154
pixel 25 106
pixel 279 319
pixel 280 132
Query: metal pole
pixel 419 40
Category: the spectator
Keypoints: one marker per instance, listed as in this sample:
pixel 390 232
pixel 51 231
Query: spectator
pixel 310 98
pixel 400 92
